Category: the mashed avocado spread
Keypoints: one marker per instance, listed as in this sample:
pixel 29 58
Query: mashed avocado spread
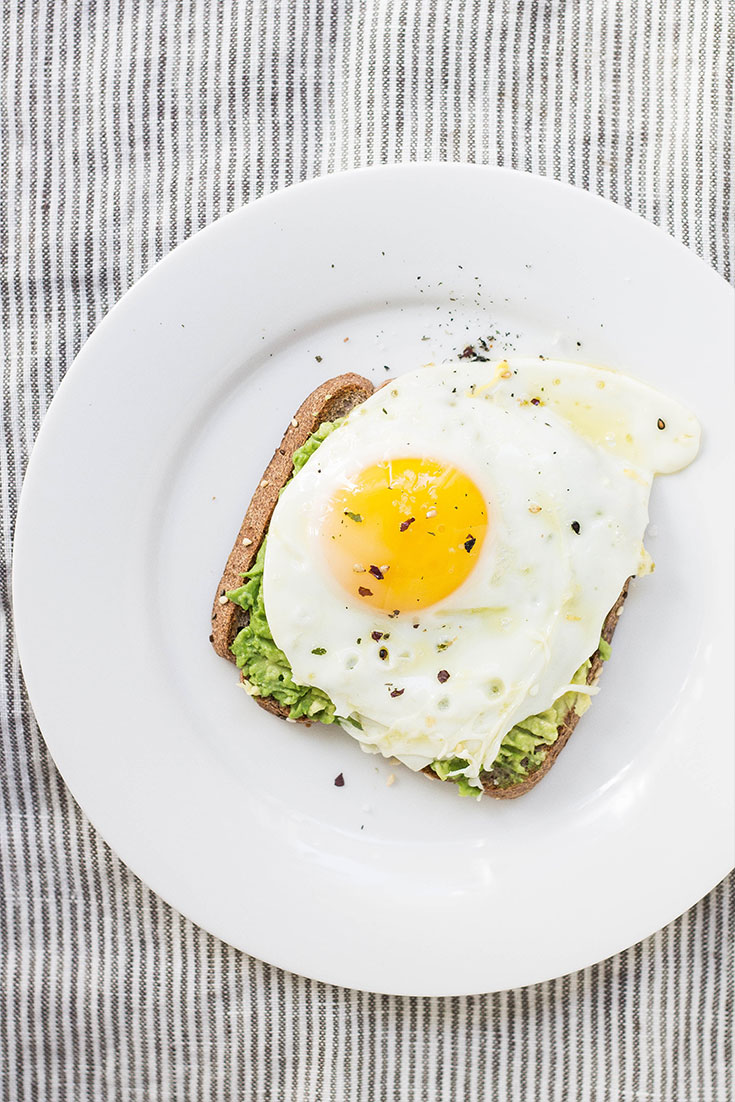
pixel 267 673
pixel 264 666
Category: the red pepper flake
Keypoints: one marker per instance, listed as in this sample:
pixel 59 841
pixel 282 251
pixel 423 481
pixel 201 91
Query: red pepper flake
pixel 364 591
pixel 575 526
pixel 535 401
pixel 661 423
pixel 339 781
pixel 469 543
pixel 377 636
pixel 442 676
pixel 398 692
pixel 467 353
pixel 406 523
pixel 376 572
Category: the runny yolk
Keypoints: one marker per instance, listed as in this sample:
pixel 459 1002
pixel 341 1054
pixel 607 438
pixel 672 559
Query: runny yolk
pixel 405 533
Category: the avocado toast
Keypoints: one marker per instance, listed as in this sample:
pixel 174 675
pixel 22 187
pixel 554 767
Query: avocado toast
pixel 240 630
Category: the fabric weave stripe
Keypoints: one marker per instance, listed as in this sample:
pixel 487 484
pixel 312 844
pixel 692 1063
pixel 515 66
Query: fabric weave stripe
pixel 126 126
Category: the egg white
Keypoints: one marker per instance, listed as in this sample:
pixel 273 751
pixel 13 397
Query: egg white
pixel 513 634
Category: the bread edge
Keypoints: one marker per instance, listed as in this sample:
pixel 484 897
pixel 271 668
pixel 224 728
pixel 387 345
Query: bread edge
pixel 330 400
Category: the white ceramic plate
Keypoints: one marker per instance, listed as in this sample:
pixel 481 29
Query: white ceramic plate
pixel 138 483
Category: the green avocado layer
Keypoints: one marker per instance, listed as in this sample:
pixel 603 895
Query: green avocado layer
pixel 267 673
pixel 266 668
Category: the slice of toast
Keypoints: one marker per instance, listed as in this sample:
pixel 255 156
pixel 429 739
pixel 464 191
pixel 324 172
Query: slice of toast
pixel 331 400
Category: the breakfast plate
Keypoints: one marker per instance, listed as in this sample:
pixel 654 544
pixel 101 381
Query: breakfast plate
pixel 138 483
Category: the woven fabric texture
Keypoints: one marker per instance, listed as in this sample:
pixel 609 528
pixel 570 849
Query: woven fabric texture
pixel 126 126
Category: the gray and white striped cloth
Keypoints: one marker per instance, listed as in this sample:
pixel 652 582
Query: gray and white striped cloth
pixel 126 126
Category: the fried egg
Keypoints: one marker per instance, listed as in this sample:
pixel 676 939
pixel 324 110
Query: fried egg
pixel 444 562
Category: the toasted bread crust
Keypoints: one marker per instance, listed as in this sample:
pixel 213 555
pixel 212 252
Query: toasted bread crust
pixel 335 398
pixel 331 400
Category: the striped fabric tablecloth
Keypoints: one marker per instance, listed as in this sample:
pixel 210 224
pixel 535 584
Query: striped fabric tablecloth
pixel 126 126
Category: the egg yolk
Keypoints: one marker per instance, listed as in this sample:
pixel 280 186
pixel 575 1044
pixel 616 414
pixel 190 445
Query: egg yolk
pixel 405 533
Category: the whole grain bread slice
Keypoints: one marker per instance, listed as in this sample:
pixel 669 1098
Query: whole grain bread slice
pixel 333 399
